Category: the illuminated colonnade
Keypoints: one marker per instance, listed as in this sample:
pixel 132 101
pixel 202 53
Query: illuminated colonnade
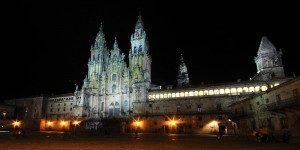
pixel 210 91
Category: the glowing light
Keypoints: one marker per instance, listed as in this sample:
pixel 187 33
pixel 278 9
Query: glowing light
pixel 16 123
pixel 229 120
pixel 213 124
pixel 49 123
pixel 76 122
pixel 63 123
pixel 173 123
pixel 137 123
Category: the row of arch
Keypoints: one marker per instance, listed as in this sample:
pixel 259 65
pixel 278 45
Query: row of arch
pixel 228 91
pixel 115 108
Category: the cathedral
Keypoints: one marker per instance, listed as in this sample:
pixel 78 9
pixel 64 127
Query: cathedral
pixel 114 89
pixel 110 85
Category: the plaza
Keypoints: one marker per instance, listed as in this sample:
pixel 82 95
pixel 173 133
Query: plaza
pixel 67 141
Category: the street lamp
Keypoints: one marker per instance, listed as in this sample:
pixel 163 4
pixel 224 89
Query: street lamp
pixel 16 124
pixel 49 124
pixel 75 123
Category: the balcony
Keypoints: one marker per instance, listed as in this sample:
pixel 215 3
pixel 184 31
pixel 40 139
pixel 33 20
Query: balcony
pixel 293 102
pixel 241 115
pixel 208 112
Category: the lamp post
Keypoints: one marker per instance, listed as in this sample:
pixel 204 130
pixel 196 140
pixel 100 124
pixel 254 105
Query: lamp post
pixel 16 124
pixel 75 123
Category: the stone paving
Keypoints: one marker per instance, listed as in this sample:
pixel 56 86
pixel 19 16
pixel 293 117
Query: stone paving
pixel 60 141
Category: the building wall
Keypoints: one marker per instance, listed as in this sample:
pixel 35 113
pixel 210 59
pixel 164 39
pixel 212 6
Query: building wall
pixel 275 110
pixel 61 107
pixel 29 110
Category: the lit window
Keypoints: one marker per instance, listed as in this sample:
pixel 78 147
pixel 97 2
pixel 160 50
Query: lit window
pixel 251 89
pixel 276 84
pixel 257 88
pixel 169 95
pixel 173 95
pixel 227 91
pixel 165 95
pixel 201 93
pixel 181 94
pixel 191 93
pixel 157 96
pixel 196 93
pixel 239 90
pixel 222 91
pixel 177 94
pixel 211 92
pixel 161 96
pixel 216 91
pixel 150 96
pixel 233 90
pixel 186 94
pixel 245 89
pixel 264 88
pixel 205 92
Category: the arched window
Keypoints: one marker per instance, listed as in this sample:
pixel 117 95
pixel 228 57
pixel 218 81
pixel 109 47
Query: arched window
pixel 114 89
pixel 117 109
pixel 117 104
pixel 114 77
pixel 111 109
pixel 126 104
pixel 102 106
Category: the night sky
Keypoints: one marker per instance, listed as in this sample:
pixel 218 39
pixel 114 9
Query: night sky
pixel 46 46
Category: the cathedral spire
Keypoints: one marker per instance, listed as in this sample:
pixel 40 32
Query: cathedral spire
pixel 139 23
pixel 115 44
pixel 183 76
pixel 266 45
pixel 100 33
pixel 100 39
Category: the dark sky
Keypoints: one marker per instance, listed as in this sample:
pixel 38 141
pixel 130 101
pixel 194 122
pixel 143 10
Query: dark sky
pixel 46 46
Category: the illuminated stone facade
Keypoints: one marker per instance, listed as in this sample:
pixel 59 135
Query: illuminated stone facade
pixel 268 61
pixel 110 86
pixel 275 110
pixel 61 107
pixel 111 89
pixel 30 110
pixel 205 109
pixel 196 107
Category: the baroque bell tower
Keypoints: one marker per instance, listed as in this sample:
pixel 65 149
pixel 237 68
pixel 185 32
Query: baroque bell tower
pixel 268 61
pixel 139 62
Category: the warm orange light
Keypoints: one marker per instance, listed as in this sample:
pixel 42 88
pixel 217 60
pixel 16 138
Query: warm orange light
pixel 173 122
pixel 137 123
pixel 213 124
pixel 63 123
pixel 76 122
pixel 49 123
pixel 16 123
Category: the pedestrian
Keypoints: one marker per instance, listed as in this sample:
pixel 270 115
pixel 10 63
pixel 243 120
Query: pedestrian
pixel 136 133
pixel 220 135
pixel 23 133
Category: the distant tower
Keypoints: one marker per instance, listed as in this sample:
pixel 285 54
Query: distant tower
pixel 268 61
pixel 183 76
pixel 139 62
